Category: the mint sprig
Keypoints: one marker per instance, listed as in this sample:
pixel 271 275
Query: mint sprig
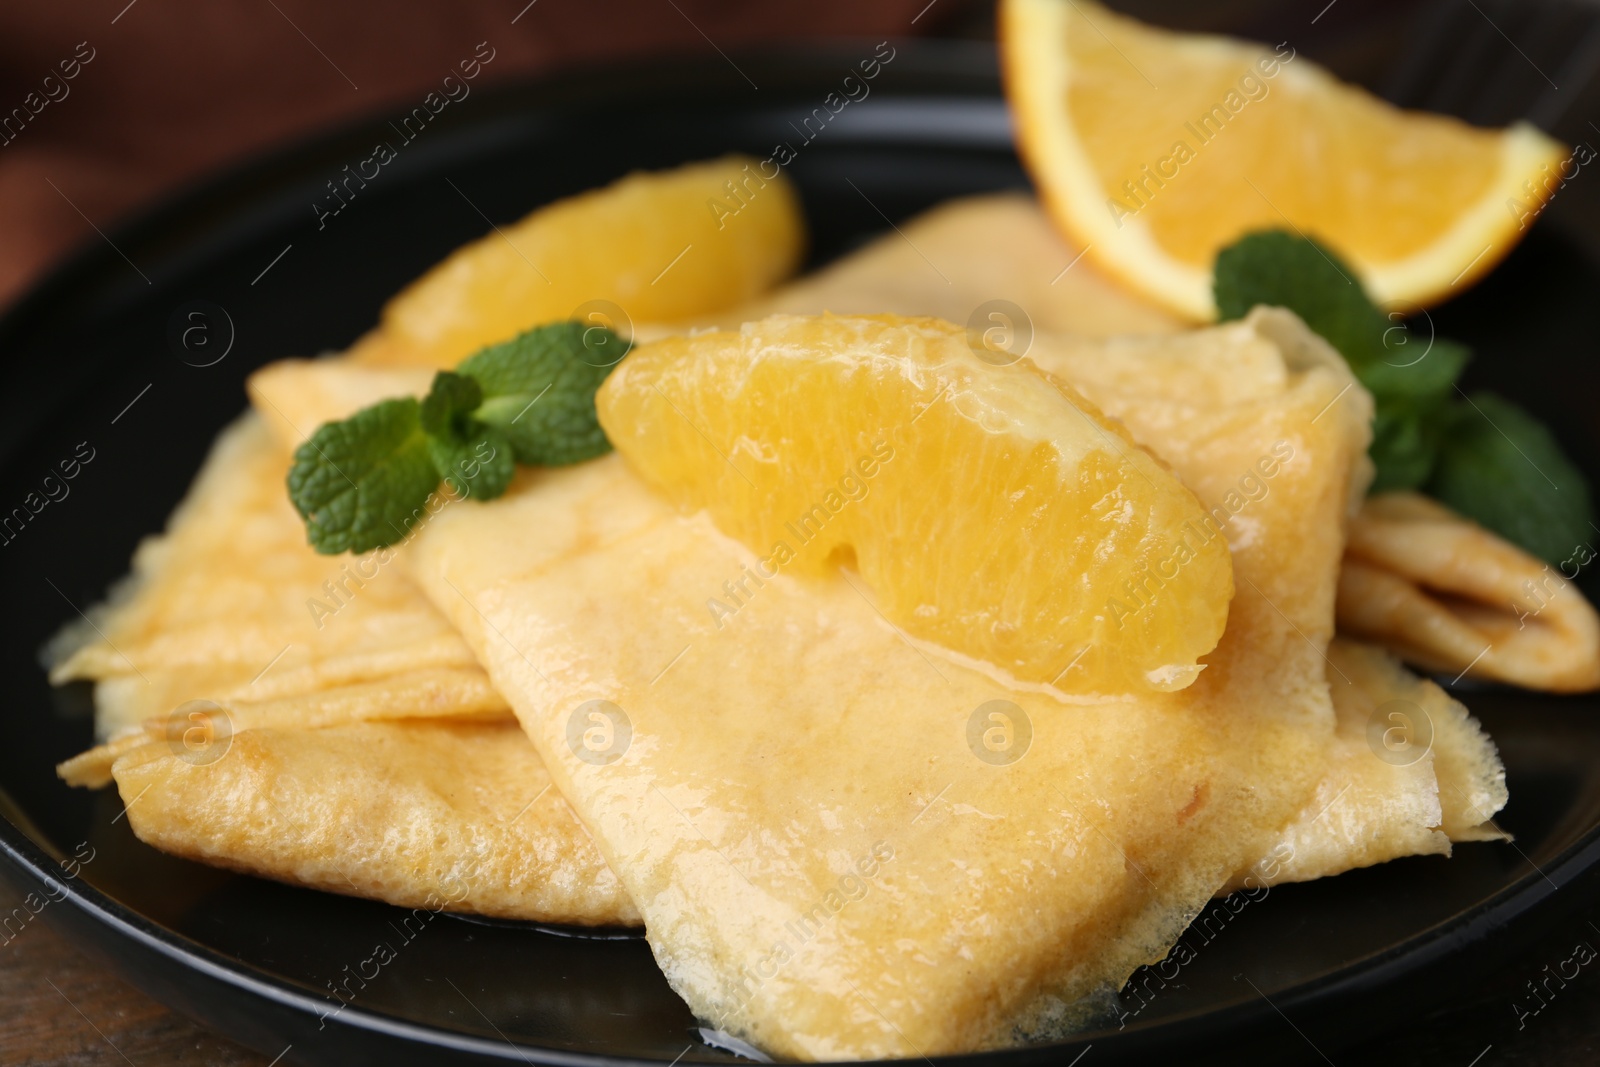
pixel 363 482
pixel 1485 458
pixel 1411 378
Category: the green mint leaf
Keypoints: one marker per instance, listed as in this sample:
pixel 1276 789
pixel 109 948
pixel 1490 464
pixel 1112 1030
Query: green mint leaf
pixel 1414 405
pixel 1503 468
pixel 1406 436
pixel 474 459
pixel 449 405
pixel 362 483
pixel 477 466
pixel 1280 269
pixel 539 390
pixel 1411 378
pixel 359 484
pixel 1415 368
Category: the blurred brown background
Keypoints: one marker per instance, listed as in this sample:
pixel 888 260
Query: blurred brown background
pixel 179 88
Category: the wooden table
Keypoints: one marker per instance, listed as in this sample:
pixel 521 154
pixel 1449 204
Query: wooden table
pixel 62 1008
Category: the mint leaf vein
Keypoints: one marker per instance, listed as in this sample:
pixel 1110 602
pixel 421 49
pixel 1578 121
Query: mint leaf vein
pixel 360 483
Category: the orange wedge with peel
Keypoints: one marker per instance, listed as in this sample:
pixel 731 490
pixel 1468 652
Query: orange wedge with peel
pixel 1152 150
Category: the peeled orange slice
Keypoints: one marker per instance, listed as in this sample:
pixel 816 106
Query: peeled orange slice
pixel 988 509
pixel 1153 150
pixel 657 246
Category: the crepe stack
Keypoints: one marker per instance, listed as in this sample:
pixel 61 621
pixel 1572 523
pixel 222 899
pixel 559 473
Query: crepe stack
pixel 368 755
pixel 823 865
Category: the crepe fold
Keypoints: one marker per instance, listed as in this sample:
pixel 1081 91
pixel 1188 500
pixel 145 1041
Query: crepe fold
pixel 231 604
pixel 1453 597
pixel 435 814
pixel 826 867
pixel 316 720
pixel 1408 771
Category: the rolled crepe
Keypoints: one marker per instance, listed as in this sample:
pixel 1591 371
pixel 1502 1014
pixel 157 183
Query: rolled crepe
pixel 1452 597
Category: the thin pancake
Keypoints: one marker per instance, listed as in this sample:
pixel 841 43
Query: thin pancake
pixel 825 867
pixel 427 694
pixel 433 815
pixel 1410 772
pixel 218 613
pixel 1366 810
pixel 1449 595
pixel 230 603
pixel 949 260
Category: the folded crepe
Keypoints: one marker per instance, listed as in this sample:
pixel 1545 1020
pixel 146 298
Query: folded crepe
pixel 949 261
pixel 230 604
pixel 438 814
pixel 314 719
pixel 1439 780
pixel 825 868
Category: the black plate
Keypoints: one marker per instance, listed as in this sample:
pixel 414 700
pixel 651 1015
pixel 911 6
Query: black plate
pixel 89 357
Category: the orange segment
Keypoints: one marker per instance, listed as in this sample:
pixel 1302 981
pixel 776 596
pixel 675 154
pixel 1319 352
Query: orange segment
pixel 1156 149
pixel 659 246
pixel 990 509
